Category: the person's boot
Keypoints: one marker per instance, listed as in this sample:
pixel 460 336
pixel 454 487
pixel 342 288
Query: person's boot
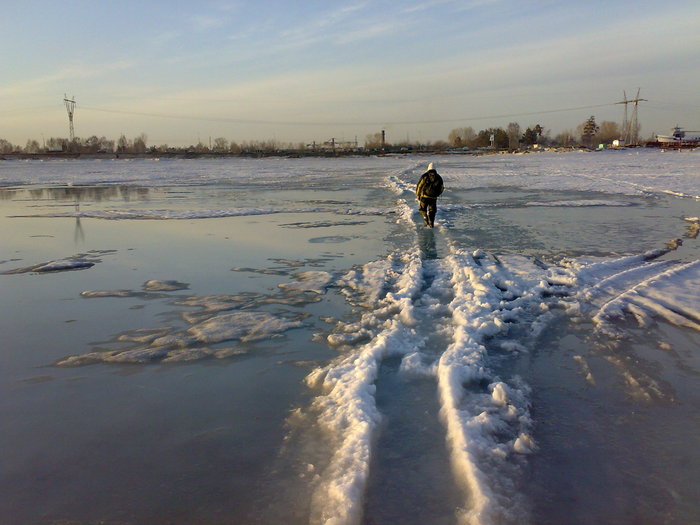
pixel 426 220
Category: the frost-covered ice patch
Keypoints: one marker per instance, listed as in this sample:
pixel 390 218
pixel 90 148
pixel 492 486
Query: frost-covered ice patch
pixel 693 227
pixel 168 344
pixel 262 271
pixel 617 293
pixel 369 211
pixel 312 281
pixel 282 266
pixel 216 319
pixel 245 326
pixel 99 294
pixel 333 239
pixel 585 369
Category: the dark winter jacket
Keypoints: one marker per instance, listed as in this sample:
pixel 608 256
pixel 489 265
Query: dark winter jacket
pixel 430 185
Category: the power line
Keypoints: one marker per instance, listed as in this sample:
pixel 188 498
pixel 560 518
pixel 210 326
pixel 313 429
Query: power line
pixel 337 123
pixel 25 110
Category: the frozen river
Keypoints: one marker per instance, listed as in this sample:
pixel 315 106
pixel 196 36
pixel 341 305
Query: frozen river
pixel 282 341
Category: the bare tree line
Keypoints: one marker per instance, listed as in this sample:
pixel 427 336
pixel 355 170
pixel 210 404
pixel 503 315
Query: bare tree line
pixel 513 137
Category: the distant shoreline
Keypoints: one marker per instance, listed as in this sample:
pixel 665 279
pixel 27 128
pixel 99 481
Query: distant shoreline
pixel 215 155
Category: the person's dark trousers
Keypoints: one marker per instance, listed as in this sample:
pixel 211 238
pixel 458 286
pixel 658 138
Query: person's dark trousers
pixel 428 209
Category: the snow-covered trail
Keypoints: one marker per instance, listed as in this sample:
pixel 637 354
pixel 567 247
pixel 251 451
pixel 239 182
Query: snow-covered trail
pixel 433 316
pixel 439 335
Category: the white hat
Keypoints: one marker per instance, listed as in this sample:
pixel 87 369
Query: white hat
pixel 430 166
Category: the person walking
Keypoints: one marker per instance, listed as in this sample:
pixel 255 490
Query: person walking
pixel 429 188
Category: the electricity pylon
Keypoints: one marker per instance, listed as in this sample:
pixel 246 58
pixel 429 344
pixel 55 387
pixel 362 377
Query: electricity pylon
pixel 630 128
pixel 70 107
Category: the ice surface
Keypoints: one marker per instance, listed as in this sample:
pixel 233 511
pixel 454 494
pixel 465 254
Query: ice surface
pixel 469 324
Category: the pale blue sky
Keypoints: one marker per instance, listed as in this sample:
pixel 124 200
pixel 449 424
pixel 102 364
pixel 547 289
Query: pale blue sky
pixel 303 71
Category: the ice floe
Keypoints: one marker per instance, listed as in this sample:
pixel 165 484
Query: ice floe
pixel 155 285
pixel 74 262
pixel 152 290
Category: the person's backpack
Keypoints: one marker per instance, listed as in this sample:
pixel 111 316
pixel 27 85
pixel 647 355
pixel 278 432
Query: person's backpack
pixel 432 188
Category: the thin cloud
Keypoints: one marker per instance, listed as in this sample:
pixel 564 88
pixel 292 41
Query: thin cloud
pixel 370 31
pixel 70 73
pixel 458 5
pixel 204 22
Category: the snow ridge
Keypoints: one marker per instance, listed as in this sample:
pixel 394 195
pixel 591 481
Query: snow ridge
pixel 346 408
pixel 487 419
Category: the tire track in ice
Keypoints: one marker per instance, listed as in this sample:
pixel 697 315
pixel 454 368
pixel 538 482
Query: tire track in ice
pixel 642 289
